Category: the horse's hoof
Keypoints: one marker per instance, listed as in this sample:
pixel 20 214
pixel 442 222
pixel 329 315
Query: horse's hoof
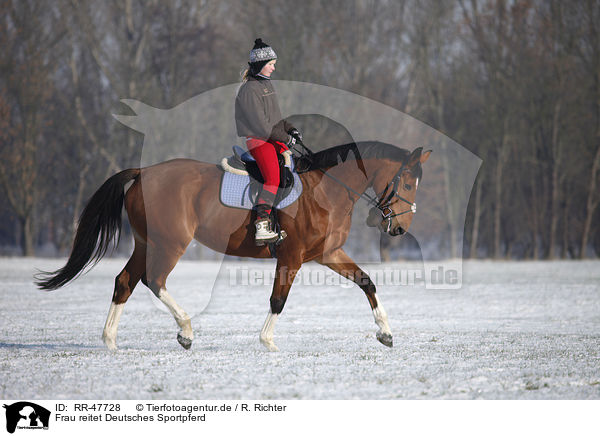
pixel 184 342
pixel 385 339
pixel 110 344
pixel 270 345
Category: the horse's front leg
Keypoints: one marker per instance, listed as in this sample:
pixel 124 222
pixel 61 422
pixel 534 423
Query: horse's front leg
pixel 341 263
pixel 284 276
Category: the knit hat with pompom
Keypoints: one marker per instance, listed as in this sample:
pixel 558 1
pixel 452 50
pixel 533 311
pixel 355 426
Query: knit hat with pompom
pixel 260 54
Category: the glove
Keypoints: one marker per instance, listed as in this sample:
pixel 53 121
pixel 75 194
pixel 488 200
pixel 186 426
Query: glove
pixel 287 156
pixel 291 141
pixel 296 134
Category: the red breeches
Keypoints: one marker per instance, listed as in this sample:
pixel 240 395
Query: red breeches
pixel 266 158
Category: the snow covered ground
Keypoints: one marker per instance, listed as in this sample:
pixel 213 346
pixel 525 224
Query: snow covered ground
pixel 516 330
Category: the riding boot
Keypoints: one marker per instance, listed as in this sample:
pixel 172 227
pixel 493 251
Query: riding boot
pixel 264 232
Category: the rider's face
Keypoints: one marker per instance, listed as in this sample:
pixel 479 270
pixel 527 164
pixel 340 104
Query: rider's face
pixel 268 68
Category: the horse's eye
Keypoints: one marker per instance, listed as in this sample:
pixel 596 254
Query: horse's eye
pixel 407 187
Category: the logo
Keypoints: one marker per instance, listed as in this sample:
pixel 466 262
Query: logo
pixel 24 415
pixel 199 127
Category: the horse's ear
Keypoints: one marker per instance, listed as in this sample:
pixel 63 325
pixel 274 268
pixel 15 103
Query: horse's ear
pixel 425 156
pixel 415 156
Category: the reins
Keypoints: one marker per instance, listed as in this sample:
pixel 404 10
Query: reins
pixel 309 154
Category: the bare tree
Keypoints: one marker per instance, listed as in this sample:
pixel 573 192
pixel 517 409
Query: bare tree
pixel 588 51
pixel 29 31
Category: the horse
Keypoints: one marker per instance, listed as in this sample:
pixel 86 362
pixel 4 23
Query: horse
pixel 186 192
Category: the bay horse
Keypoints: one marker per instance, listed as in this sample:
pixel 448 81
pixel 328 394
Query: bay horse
pixel 186 192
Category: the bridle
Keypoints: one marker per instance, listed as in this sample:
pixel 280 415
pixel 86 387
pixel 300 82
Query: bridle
pixel 384 204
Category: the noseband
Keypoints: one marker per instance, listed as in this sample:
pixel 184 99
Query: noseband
pixel 385 202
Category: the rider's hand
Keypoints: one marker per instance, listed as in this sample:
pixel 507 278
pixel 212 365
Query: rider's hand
pixel 291 141
pixel 296 134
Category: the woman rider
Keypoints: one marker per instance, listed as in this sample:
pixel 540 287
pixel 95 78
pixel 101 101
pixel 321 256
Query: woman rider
pixel 258 119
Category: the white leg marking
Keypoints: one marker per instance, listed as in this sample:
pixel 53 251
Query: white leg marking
pixel 109 335
pixel 381 318
pixel 266 334
pixel 182 318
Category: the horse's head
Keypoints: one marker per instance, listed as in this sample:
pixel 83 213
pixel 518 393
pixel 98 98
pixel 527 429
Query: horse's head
pixel 396 189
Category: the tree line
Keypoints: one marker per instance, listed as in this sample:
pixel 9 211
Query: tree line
pixel 515 82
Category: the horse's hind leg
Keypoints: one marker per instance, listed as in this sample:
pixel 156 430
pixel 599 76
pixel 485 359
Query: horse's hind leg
pixel 159 267
pixel 125 282
pixel 343 264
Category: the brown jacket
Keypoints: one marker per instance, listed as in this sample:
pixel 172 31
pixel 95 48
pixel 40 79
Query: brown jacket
pixel 257 112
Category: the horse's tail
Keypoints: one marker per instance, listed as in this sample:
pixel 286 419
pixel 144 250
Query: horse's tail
pixel 98 224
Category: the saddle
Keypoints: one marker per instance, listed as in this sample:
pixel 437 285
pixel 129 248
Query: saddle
pixel 242 163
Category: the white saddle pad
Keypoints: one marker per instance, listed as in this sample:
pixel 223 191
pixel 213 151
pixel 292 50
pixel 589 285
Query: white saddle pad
pixel 235 191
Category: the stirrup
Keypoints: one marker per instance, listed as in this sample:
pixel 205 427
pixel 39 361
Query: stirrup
pixel 280 237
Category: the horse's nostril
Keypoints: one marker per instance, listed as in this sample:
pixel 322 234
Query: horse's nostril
pixel 397 231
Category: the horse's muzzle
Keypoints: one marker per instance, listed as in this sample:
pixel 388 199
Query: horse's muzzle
pixel 374 220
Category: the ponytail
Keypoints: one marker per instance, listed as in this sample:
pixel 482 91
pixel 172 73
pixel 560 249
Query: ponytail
pixel 245 73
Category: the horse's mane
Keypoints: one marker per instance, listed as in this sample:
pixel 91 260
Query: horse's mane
pixel 358 151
